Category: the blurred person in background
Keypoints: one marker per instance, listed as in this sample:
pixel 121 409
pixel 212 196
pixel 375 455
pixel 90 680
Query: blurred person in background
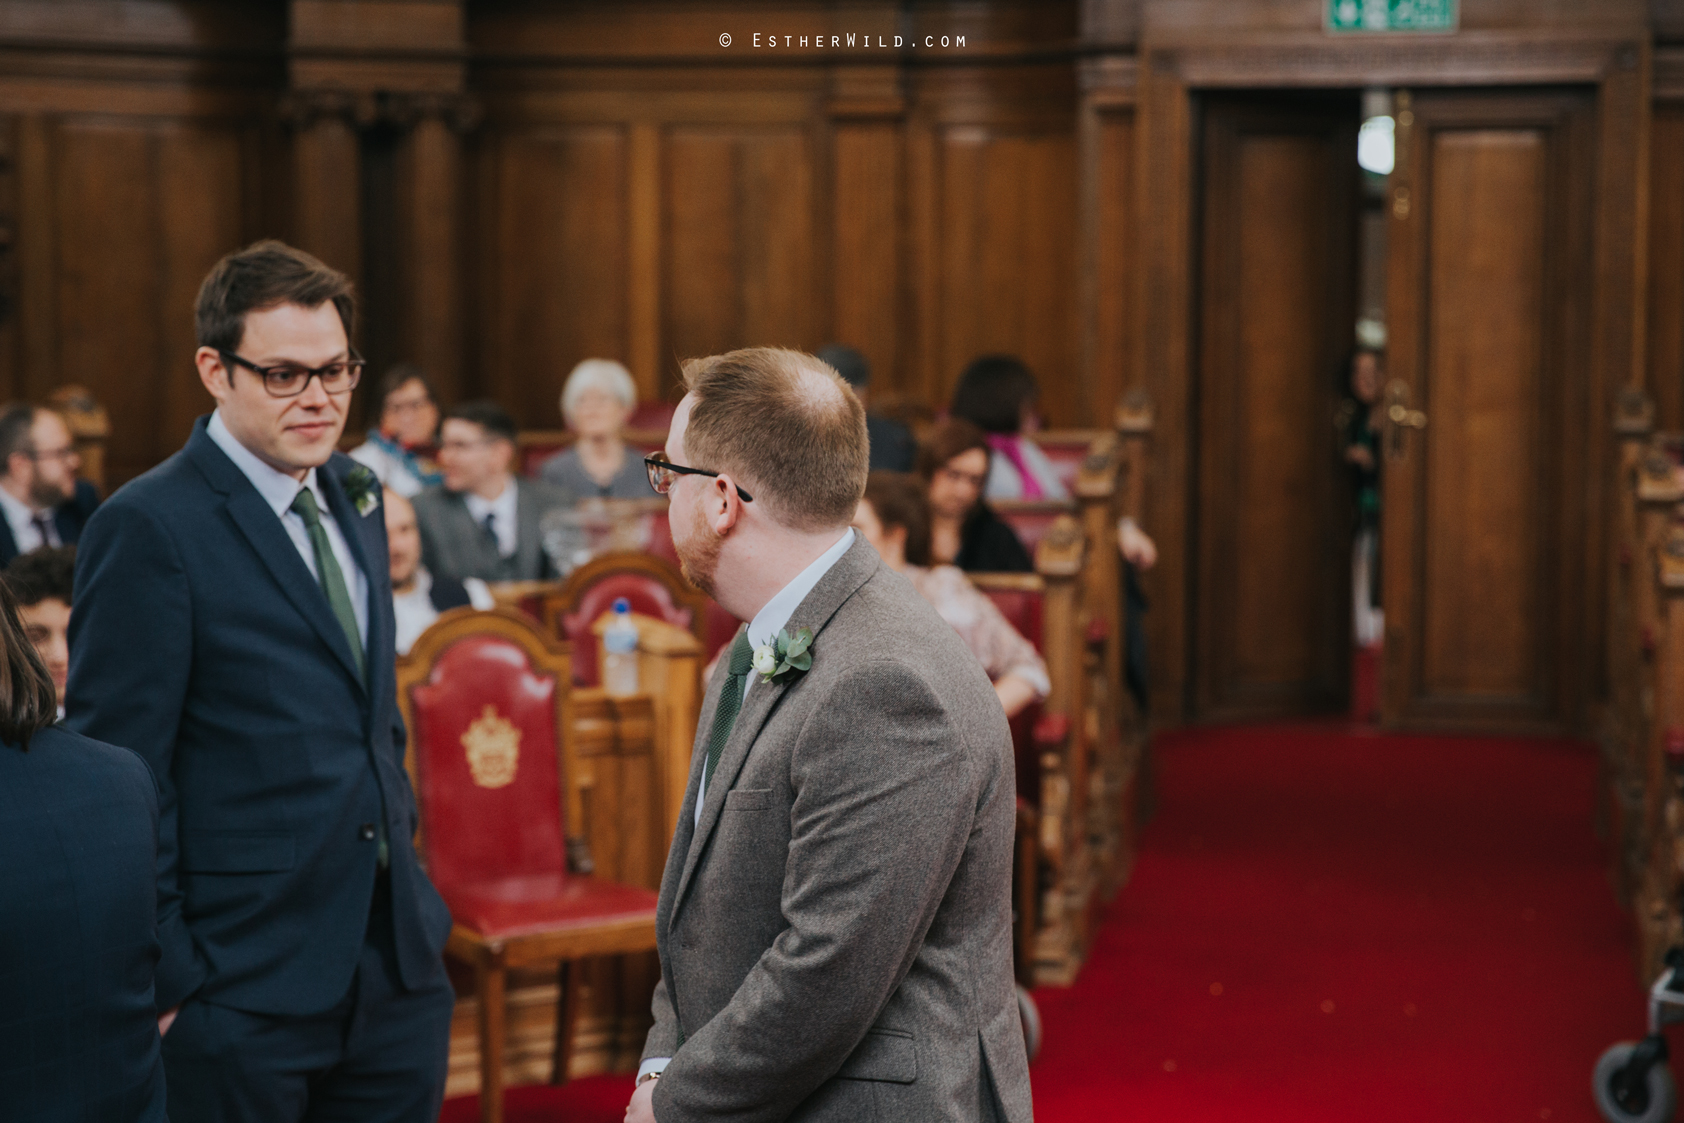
pixel 417 596
pixel 43 581
pixel 964 532
pixel 596 402
pixel 43 502
pixel 483 521
pixel 398 451
pixel 78 911
pixel 894 516
pixel 892 446
pixel 999 395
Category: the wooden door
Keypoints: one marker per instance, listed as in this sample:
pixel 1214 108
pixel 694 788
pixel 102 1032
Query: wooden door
pixel 1277 301
pixel 1485 536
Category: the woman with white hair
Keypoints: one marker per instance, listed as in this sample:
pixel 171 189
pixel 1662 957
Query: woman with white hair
pixel 598 398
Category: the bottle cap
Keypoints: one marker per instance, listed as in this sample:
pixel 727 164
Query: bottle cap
pixel 622 605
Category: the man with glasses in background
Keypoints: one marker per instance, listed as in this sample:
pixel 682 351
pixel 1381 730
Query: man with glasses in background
pixel 43 502
pixel 485 521
pixel 234 626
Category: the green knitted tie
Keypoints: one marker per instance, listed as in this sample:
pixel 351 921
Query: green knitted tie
pixel 328 573
pixel 730 702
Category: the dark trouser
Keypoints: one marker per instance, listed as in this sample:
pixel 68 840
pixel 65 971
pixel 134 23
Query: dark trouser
pixel 379 1056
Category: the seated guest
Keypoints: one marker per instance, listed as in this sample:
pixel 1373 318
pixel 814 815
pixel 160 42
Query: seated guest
pixel 42 581
pixel 43 501
pixel 409 423
pixel 998 395
pixel 892 446
pixel 78 912
pixel 596 401
pixel 483 521
pixel 963 531
pixel 894 516
pixel 417 596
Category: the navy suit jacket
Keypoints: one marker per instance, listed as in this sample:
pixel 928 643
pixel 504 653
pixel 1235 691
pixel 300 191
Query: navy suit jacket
pixel 78 943
pixel 200 639
pixel 69 517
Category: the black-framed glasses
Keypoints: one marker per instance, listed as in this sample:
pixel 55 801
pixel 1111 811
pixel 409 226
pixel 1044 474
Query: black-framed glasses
pixel 663 473
pixel 288 380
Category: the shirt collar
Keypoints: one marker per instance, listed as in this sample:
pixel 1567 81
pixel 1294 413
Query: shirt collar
pixel 18 513
pixel 276 487
pixel 777 611
pixel 503 506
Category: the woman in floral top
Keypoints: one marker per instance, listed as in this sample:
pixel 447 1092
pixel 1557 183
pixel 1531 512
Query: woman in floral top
pixel 894 517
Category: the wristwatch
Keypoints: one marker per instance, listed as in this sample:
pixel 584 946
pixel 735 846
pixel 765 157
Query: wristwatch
pixel 646 1076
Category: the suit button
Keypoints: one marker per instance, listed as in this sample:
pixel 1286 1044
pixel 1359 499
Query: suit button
pixel 366 832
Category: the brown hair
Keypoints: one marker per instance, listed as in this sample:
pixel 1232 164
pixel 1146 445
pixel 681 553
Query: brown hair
pixel 28 702
pixel 950 438
pixel 787 426
pixel 898 499
pixel 265 275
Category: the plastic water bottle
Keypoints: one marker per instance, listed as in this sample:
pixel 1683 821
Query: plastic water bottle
pixel 619 647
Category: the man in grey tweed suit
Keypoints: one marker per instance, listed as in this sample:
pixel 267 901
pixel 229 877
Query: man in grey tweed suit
pixel 835 917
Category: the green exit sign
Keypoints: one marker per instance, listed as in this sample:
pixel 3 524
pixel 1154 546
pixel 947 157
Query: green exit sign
pixel 1391 15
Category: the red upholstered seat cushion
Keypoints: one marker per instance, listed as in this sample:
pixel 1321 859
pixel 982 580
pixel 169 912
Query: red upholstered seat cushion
pixel 648 597
pixel 1022 609
pixel 524 906
pixel 651 415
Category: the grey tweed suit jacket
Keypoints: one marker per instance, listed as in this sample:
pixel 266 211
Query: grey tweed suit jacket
pixel 835 934
pixel 454 545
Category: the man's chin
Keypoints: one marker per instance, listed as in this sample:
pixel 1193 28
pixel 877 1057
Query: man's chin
pixel 702 581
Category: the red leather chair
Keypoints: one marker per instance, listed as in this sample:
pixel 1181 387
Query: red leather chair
pixel 1032 519
pixel 484 695
pixel 1067 449
pixel 653 585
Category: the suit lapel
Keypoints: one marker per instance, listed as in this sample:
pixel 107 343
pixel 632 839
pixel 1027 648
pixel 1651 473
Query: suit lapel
pixel 270 541
pixel 851 571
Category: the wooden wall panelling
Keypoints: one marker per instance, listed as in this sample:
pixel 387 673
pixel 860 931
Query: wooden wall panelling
pixel 555 224
pixel 1666 264
pixel 120 217
pixel 1107 224
pixel 9 309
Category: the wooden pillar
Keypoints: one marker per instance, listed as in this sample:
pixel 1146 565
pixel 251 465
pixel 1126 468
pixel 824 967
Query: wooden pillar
pixel 327 179
pixel 431 299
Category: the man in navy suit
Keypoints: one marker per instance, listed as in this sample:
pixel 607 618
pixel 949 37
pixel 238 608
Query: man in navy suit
pixel 78 931
pixel 233 625
pixel 42 503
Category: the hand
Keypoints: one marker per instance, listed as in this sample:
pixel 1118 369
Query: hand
pixel 167 1019
pixel 1137 547
pixel 642 1106
pixel 1360 456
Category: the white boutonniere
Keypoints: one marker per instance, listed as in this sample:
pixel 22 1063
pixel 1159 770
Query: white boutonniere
pixel 785 657
pixel 362 488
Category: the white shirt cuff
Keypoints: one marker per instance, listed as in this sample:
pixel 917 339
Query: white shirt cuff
pixel 653 1064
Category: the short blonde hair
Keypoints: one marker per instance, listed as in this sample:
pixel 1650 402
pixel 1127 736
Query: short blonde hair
pixel 787 426
pixel 598 374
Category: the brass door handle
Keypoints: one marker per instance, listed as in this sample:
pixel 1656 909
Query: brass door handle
pixel 1402 415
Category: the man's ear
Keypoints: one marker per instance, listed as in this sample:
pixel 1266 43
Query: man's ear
pixel 724 506
pixel 215 376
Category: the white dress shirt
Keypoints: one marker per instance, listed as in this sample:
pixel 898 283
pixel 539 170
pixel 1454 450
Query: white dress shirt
pixel 502 509
pixel 761 631
pixel 20 517
pixel 279 490
pixel 414 611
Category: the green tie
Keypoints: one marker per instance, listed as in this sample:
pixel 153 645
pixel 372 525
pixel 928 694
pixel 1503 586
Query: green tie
pixel 731 701
pixel 328 573
pixel 333 584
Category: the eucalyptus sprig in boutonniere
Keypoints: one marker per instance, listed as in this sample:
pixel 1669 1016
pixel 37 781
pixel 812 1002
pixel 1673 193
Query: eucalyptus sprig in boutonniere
pixel 362 488
pixel 785 657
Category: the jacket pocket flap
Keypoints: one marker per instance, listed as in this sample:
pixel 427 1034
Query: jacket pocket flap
pixel 236 851
pixel 748 799
pixel 885 1054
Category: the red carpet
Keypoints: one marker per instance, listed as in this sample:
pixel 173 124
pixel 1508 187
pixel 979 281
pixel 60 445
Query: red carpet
pixel 1326 926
